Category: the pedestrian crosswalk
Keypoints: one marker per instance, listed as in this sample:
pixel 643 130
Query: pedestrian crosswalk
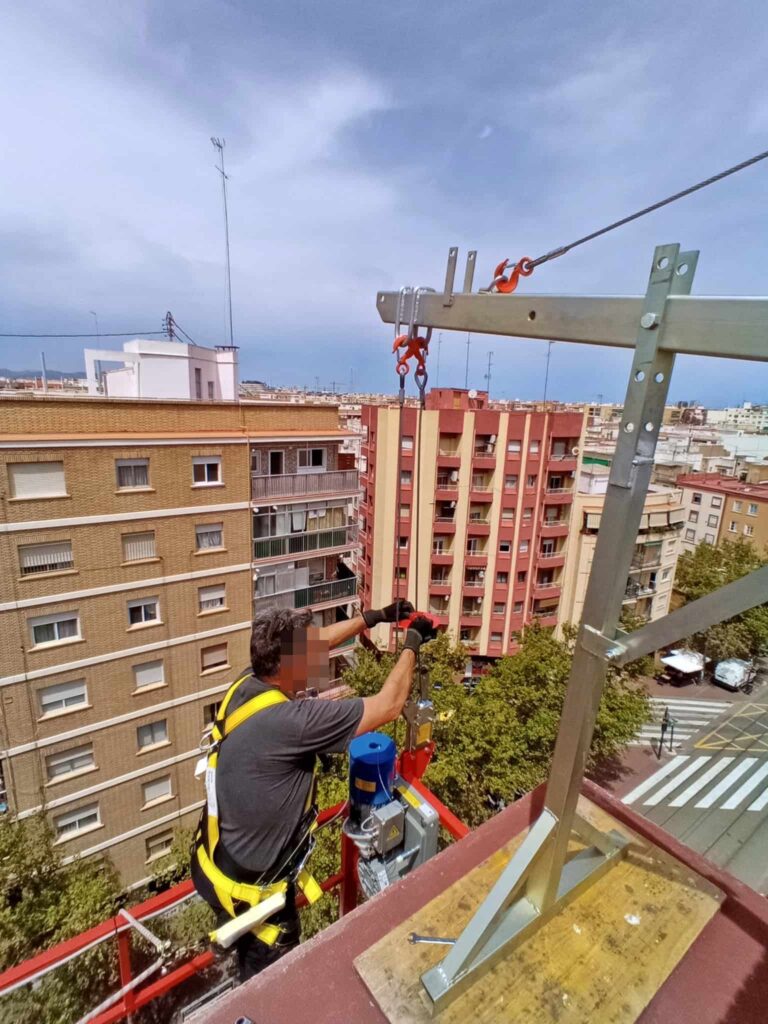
pixel 705 782
pixel 689 716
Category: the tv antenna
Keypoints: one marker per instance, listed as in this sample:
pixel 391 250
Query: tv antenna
pixel 219 144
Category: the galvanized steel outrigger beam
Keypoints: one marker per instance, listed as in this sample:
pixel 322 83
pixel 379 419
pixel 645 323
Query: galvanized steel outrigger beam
pixel 541 878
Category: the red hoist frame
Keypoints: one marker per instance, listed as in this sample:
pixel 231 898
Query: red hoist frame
pixel 136 990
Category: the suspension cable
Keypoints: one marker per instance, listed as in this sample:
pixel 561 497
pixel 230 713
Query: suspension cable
pixel 530 264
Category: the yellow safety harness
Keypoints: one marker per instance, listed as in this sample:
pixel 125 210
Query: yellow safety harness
pixel 227 890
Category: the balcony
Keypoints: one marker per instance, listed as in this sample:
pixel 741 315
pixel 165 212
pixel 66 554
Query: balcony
pixel 327 592
pixel 484 449
pixel 555 527
pixel 442 555
pixel 444 482
pixel 552 558
pixel 289 485
pixel 477 555
pixel 636 592
pixel 298 544
pixel 440 584
pixel 558 495
pixel 546 589
pixel 645 560
pixel 474 581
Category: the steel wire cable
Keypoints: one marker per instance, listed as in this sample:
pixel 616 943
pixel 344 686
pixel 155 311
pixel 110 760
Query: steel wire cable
pixel 563 249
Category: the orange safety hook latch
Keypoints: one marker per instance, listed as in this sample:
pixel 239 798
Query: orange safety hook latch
pixel 415 348
pixel 500 283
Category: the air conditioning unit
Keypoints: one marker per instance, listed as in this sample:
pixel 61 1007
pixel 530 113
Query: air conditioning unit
pixel 493 439
pixel 481 574
pixel 454 476
pixel 453 505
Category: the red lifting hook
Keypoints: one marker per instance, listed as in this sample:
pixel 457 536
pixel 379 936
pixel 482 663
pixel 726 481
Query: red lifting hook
pixel 503 284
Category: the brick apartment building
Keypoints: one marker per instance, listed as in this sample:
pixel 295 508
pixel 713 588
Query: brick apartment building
pixel 137 538
pixel 495 502
pixel 721 507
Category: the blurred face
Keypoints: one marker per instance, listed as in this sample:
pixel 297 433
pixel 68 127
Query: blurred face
pixel 303 663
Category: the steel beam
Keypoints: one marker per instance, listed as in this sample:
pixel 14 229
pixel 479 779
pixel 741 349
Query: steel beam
pixel 735 328
pixel 730 600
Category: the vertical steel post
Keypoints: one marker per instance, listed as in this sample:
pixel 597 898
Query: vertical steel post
pixel 348 891
pixel 671 274
pixel 126 974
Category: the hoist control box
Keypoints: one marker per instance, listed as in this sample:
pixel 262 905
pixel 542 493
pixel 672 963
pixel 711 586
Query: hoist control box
pixel 393 827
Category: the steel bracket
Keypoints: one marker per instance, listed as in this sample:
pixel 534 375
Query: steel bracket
pixel 597 643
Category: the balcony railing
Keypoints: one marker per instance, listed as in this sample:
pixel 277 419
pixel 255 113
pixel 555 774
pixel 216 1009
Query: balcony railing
pixel 484 451
pixel 559 490
pixel 293 484
pixel 303 543
pixel 636 593
pixel 472 613
pixel 554 522
pixel 440 581
pixel 478 517
pixel 304 597
pixel 450 453
pixel 544 555
pixel 475 583
pixel 547 585
pixel 445 519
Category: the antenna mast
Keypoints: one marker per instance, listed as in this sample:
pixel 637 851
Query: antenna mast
pixel 219 144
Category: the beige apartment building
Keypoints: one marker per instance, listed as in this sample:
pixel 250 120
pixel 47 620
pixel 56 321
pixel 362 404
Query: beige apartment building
pixel 721 508
pixel 136 540
pixel 657 548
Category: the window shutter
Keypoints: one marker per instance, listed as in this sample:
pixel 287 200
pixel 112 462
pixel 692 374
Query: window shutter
pixel 658 519
pixel 37 479
pixel 45 557
pixel 62 695
pixel 157 789
pixel 212 597
pixel 213 656
pixel 138 545
pixel 148 673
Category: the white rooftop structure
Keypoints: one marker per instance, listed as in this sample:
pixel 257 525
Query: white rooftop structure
pixel 164 369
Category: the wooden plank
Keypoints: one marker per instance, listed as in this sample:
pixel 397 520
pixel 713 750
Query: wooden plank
pixel 601 959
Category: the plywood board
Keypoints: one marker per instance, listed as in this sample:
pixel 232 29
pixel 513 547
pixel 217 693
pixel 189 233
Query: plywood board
pixel 601 959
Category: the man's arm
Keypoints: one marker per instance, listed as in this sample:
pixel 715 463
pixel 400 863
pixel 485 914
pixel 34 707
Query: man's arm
pixel 387 704
pixel 338 632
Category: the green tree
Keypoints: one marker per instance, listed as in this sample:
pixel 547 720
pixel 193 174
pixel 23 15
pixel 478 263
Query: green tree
pixel 43 902
pixel 704 570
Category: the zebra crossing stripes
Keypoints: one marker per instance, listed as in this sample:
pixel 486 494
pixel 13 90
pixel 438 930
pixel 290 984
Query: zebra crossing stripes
pixel 714 781
pixel 689 716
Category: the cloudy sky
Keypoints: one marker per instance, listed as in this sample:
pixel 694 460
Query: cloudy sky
pixel 362 141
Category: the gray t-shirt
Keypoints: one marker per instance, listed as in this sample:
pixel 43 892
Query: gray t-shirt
pixel 265 769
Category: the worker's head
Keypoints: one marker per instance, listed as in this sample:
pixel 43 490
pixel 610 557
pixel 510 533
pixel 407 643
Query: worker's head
pixel 288 652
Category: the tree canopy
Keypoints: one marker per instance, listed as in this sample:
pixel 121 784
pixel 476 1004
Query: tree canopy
pixel 704 570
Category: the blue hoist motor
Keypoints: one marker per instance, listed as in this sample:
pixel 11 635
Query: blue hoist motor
pixel 392 826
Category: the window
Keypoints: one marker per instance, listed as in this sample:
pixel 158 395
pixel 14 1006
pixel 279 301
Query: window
pixel 505 547
pixel 693 517
pixel 407 443
pixel 748 529
pixel 148 674
pixel 54 557
pixel 152 734
pixel 311 458
pixel 55 629
pixel 138 546
pixel 143 611
pixel 690 535
pixel 276 462
pixel 666 573
pixel 502 577
pixel 156 790
pixel 157 846
pixel 521 576
pixel 533 447
pixel 77 759
pixel 498 608
pixel 510 481
pixel 752 508
pixel 733 526
pixel 406 477
pixel 737 506
pixel 513 447
pixel 37 480
pixel 438 545
pixel 401 573
pixel 213 658
pixel 209 713
pixel 198 384
pixel 716 501
pixel 255 461
pixel 62 697
pixel 508 515
pixel 518 607
pixel 212 598
pixel 712 520
pixel 696 499
pixel 132 473
pixel 530 480
pixel 405 511
pixel 206 470
pixel 402 542
pixel 709 538
pixel 209 536
pixel 210 391
pixel 83 819
pixel 523 547
pixel 495 638
pixel 527 513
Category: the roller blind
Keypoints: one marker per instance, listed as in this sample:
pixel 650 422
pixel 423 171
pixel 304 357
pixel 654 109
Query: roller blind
pixel 138 545
pixel 148 673
pixel 45 557
pixel 37 479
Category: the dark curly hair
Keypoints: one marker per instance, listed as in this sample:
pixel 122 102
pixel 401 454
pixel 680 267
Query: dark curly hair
pixel 271 635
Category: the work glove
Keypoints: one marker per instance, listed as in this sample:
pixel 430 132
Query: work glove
pixel 420 631
pixel 392 613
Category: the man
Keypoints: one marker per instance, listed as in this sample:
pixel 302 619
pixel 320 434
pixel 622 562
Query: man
pixel 264 776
